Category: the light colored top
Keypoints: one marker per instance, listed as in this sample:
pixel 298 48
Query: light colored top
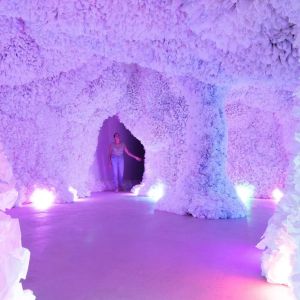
pixel 117 149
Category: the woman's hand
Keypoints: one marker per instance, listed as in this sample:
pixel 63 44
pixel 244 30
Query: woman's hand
pixel 131 155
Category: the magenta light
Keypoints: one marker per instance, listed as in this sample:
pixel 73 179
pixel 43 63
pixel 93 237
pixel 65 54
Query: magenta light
pixel 42 198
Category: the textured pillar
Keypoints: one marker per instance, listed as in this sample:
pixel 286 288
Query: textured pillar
pixel 281 240
pixel 203 188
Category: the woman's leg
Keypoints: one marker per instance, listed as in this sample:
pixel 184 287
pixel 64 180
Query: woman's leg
pixel 114 161
pixel 121 170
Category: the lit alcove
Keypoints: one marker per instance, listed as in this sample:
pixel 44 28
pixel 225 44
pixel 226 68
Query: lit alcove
pixel 101 171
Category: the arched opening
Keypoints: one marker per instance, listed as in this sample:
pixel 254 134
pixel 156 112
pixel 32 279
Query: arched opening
pixel 102 172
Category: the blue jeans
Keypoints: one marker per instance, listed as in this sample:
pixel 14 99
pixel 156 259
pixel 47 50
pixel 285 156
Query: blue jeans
pixel 118 170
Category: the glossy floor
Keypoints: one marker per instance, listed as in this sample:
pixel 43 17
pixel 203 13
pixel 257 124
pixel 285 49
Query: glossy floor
pixel 115 246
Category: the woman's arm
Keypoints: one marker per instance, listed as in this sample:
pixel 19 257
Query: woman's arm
pixel 109 155
pixel 130 154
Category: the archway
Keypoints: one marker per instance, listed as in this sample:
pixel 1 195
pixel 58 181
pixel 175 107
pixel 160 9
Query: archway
pixel 172 116
pixel 101 172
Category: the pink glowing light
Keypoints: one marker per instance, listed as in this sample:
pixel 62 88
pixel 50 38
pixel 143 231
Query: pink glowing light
pixel 277 194
pixel 156 192
pixel 42 198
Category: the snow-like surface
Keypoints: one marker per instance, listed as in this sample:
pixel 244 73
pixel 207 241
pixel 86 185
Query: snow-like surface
pixel 116 246
pixel 67 66
pixel 180 122
pixel 217 41
pixel 280 242
pixel 14 259
pixel 260 137
pixel 190 80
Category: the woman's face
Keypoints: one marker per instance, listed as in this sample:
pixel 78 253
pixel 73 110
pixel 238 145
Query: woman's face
pixel 117 139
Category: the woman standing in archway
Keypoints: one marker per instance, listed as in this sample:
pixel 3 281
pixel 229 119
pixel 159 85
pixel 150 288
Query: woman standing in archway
pixel 116 159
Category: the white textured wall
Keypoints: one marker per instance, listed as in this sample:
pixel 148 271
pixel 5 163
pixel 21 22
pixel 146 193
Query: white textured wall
pixel 260 134
pixel 179 121
pixel 280 242
pixel 215 41
pixel 65 66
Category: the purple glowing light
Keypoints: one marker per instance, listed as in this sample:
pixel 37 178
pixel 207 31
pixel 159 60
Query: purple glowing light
pixel 42 198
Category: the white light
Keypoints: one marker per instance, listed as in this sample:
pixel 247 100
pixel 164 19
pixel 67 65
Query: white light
pixel 245 192
pixel 42 198
pixel 279 268
pixel 135 190
pixel 277 194
pixel 74 193
pixel 156 191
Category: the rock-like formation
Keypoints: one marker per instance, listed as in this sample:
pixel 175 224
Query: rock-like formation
pixel 14 259
pixel 163 67
pixel 180 122
pixel 260 137
pixel 281 240
pixel 219 41
pixel 185 77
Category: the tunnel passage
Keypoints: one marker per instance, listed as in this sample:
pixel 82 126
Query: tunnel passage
pixel 133 170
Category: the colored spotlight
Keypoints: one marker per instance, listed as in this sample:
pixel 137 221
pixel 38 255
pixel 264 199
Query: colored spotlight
pixel 42 198
pixel 245 192
pixel 156 191
pixel 277 194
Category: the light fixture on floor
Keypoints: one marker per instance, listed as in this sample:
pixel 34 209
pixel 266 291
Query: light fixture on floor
pixel 156 191
pixel 42 198
pixel 136 189
pixel 245 192
pixel 277 194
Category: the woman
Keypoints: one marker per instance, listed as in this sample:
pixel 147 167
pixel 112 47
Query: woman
pixel 116 158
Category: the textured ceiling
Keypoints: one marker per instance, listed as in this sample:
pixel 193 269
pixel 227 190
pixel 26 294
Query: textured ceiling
pixel 215 41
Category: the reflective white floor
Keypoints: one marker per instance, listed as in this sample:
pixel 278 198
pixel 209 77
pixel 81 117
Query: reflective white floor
pixel 114 246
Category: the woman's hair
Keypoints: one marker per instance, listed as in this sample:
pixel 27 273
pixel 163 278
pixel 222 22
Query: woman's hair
pixel 116 133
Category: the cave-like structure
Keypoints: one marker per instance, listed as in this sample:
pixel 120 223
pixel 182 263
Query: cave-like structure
pixel 207 87
pixel 67 66
pixel 180 122
pixel 281 240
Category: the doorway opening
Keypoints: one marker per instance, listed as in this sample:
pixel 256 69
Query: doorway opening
pixel 102 171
